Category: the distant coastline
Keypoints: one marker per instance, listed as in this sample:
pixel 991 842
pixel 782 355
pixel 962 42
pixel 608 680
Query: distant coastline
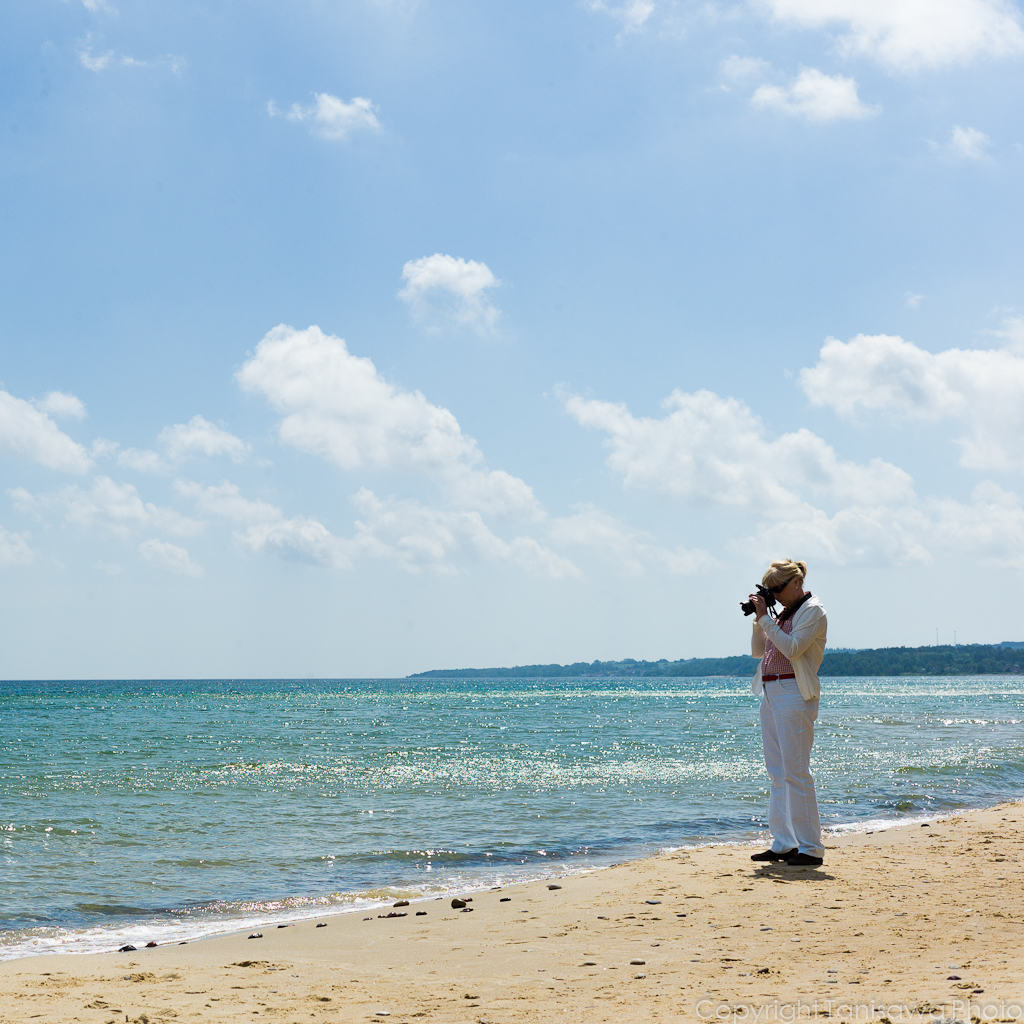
pixel 963 660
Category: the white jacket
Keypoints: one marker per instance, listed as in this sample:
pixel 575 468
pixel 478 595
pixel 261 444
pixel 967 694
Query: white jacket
pixel 805 646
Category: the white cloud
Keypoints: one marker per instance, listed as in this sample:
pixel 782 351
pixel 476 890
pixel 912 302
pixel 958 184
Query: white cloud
pixel 14 549
pixel 742 69
pixel 336 405
pixel 115 509
pixel 416 537
pixel 225 499
pixel 330 117
pixel 181 442
pixel 815 96
pixel 29 433
pixel 142 460
pixel 442 290
pixel 61 403
pixel 989 529
pixel 97 62
pixel 406 532
pixel 1012 332
pixel 709 450
pixel 801 496
pixel 200 437
pixel 981 388
pixel 910 34
pixel 103 448
pixel 969 143
pixel 263 526
pixel 302 538
pixel 169 557
pixel 631 14
pixel 633 551
pixel 912 300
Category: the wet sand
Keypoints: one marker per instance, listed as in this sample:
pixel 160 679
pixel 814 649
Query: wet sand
pixel 911 923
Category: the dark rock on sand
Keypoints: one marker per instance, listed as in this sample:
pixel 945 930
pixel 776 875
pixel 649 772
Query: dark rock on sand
pixel 466 910
pixel 392 914
pixel 505 899
pixel 637 963
pixel 554 887
pixel 421 913
pixel 458 904
pixel 150 945
pixel 402 903
pixel 127 949
pixel 322 924
pixel 256 935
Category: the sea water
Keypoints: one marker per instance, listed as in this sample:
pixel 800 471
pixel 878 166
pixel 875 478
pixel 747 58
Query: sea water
pixel 166 810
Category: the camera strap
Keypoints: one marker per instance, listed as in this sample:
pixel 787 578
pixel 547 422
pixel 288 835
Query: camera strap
pixel 790 612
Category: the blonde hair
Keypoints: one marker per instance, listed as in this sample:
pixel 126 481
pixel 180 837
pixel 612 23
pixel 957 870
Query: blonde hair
pixel 782 570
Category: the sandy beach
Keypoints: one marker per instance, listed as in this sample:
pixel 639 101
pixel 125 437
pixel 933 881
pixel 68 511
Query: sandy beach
pixel 908 923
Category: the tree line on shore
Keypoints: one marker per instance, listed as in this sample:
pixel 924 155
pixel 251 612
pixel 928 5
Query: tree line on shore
pixel 962 660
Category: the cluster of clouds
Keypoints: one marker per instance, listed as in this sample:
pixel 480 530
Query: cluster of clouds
pixel 714 452
pixel 703 451
pixel 336 406
pixel 902 37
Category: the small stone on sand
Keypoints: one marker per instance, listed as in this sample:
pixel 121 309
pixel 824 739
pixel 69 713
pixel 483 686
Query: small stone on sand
pixel 256 935
pixel 322 924
pixel 402 903
pixel 637 963
pixel 554 887
pixel 458 904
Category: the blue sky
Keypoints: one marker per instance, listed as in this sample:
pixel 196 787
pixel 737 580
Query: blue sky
pixel 365 337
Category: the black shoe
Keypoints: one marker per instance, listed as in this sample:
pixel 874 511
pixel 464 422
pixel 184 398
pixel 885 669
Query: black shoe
pixel 771 855
pixel 803 860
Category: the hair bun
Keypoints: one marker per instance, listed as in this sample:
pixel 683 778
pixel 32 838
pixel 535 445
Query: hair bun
pixel 782 570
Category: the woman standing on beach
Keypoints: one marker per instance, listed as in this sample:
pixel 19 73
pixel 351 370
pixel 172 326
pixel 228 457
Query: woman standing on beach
pixel 790 647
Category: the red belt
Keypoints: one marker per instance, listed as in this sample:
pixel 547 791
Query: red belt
pixel 785 675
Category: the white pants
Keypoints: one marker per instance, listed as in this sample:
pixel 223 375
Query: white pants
pixel 787 730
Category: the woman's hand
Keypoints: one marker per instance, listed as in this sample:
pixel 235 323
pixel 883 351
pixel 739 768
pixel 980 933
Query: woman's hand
pixel 760 608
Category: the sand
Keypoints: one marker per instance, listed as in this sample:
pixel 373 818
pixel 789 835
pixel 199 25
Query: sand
pixel 910 923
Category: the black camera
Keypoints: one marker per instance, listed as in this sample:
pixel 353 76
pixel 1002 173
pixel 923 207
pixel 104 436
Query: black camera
pixel 747 607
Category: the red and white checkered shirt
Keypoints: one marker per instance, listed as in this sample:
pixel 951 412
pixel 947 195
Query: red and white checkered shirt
pixel 775 662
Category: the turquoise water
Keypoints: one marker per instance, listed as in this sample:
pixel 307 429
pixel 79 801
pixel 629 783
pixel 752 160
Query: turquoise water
pixel 165 810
